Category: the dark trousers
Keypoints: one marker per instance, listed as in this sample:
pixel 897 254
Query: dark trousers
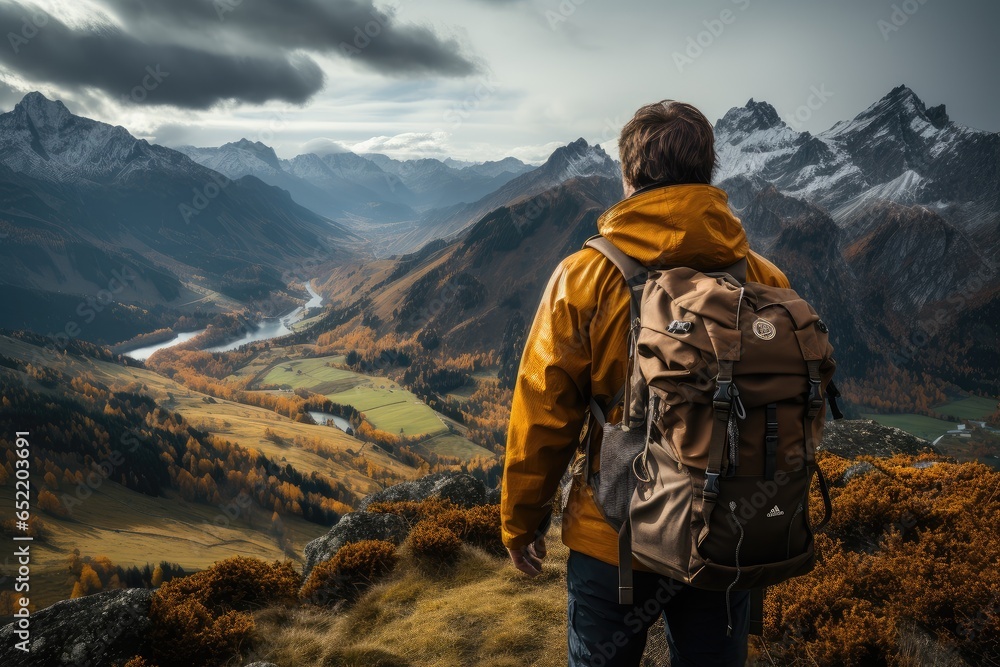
pixel 603 633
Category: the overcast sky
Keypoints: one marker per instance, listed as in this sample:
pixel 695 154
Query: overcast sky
pixel 481 79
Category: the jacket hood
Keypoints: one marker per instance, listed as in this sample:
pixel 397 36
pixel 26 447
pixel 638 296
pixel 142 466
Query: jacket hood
pixel 677 225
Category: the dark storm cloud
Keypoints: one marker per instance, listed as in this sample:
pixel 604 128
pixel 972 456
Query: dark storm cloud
pixel 194 53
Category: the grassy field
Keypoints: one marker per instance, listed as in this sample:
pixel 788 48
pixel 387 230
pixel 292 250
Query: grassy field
pixel 450 444
pixel 133 529
pixel 927 428
pixel 481 612
pixel 974 407
pixel 387 405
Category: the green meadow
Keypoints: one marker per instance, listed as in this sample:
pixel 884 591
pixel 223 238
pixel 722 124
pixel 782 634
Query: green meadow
pixel 387 405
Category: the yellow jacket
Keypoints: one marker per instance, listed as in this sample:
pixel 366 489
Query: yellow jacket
pixel 577 346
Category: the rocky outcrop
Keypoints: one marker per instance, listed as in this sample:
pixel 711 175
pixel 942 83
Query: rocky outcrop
pixel 99 629
pixel 459 488
pixel 850 438
pixel 462 489
pixel 354 527
pixel 856 471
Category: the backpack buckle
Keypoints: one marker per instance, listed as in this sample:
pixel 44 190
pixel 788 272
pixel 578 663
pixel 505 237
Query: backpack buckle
pixel 711 485
pixel 725 391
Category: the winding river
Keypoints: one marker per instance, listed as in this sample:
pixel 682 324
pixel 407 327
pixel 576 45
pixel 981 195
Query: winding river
pixel 271 327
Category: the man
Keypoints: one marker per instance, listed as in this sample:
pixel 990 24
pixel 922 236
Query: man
pixel 671 216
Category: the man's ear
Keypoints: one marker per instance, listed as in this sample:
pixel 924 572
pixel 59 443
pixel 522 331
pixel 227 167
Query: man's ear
pixel 627 187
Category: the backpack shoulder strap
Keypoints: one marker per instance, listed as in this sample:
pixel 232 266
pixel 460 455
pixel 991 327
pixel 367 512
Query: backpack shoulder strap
pixel 635 274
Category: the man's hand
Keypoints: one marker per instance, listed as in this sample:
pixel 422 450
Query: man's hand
pixel 529 559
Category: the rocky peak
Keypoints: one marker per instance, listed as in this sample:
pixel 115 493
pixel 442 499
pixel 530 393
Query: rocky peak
pixel 578 158
pixel 260 150
pixel 752 117
pixel 42 112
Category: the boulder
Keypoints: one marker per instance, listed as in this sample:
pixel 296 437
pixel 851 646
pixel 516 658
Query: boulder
pixel 850 438
pixel 492 497
pixel 354 527
pixel 462 489
pixel 261 664
pixel 98 629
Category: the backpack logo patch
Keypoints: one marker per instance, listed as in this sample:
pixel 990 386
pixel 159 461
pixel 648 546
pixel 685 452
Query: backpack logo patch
pixel 679 327
pixel 775 511
pixel 764 330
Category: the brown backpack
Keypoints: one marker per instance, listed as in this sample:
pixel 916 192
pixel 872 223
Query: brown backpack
pixel 707 476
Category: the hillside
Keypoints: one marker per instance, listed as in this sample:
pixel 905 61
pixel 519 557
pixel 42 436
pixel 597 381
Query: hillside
pixel 890 586
pixel 144 469
pixel 470 290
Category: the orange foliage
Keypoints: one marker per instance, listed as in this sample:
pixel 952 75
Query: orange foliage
pixel 354 568
pixel 913 543
pixel 201 619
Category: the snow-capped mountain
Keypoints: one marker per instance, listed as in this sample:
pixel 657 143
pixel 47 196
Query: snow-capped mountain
pixel 896 150
pixel 906 203
pixel 41 139
pixel 237 159
pixel 80 199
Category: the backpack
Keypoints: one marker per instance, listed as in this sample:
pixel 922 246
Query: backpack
pixel 707 476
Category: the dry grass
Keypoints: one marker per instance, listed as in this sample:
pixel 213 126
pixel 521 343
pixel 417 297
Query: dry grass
pixel 478 612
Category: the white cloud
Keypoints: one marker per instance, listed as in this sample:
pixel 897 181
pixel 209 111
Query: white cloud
pixel 407 145
pixel 323 146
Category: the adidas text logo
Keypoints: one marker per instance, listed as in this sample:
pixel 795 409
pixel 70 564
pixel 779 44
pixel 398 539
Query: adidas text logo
pixel 775 511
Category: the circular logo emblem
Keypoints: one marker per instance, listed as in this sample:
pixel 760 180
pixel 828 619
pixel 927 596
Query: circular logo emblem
pixel 764 330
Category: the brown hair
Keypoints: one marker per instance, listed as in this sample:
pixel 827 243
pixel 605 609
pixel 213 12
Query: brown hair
pixel 667 142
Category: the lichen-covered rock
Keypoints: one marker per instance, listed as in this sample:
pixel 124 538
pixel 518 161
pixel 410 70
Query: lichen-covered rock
pixel 98 629
pixel 850 438
pixel 261 664
pixel 462 489
pixel 857 470
pixel 492 497
pixel 354 527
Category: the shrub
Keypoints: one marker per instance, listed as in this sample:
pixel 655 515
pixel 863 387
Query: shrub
pixel 411 510
pixel 479 526
pixel 455 520
pixel 201 619
pixel 434 544
pixel 354 568
pixel 484 529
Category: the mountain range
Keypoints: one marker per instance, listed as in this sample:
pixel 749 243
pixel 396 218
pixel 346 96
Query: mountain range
pixel 361 189
pixel 889 222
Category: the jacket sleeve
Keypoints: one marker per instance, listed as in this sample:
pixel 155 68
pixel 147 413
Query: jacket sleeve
pixel 549 406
